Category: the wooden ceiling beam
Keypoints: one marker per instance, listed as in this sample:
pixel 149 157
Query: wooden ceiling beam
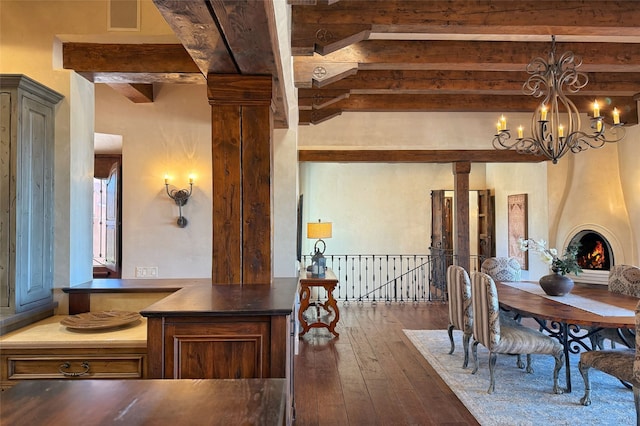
pixel 230 37
pixel 416 156
pixel 463 82
pixel 136 93
pixel 197 30
pixel 627 106
pixel 456 56
pixel 317 116
pixel 127 58
pixel 504 18
pixel 145 78
pixel 327 39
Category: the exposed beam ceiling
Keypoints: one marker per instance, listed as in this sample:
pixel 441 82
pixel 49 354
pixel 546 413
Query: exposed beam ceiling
pixel 407 55
pixel 217 37
pixel 384 55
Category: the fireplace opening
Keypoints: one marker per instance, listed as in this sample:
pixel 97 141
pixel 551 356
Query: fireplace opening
pixel 595 252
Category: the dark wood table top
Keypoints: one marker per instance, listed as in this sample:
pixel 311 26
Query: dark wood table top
pixel 228 300
pixel 144 402
pixel 547 309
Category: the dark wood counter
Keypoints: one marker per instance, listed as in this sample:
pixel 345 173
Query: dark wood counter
pixel 145 402
pixel 203 330
pixel 221 331
pixel 225 300
pixel 80 295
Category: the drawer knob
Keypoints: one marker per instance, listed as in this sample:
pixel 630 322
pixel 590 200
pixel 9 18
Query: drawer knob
pixel 66 365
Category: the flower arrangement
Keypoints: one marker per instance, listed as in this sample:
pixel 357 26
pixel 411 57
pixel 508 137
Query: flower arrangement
pixel 564 265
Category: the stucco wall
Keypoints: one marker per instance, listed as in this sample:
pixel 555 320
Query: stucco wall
pixel 29 32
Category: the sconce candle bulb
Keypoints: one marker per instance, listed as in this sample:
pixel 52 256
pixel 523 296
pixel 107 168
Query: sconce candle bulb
pixel 180 197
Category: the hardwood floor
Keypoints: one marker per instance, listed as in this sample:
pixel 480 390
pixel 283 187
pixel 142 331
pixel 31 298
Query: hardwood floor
pixel 372 374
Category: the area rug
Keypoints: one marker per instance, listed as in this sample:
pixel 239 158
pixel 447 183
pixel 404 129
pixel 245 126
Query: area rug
pixel 521 398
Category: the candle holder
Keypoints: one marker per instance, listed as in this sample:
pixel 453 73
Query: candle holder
pixel 180 197
pixel 555 124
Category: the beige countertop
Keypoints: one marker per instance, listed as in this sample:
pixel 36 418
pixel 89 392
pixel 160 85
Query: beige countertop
pixel 49 333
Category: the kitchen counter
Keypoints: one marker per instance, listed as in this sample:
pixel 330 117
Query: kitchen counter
pixel 49 333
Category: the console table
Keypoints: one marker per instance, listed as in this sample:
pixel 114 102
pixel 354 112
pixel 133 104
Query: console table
pixel 329 283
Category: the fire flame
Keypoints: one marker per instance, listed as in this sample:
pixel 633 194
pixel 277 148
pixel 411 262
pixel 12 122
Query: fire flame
pixel 595 259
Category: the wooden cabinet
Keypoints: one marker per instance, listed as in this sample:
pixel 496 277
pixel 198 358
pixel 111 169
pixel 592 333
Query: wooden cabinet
pixel 27 118
pixel 221 331
pixel 47 350
pixel 225 332
pixel 80 363
pixel 217 348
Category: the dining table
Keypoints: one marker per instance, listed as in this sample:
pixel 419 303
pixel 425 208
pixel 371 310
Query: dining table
pixel 572 318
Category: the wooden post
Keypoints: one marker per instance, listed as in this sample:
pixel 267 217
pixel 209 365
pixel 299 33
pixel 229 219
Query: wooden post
pixel 241 127
pixel 461 172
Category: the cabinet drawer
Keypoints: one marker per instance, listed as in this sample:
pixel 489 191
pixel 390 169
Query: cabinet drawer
pixel 75 367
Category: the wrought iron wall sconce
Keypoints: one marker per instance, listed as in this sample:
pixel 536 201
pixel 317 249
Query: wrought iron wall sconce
pixel 180 196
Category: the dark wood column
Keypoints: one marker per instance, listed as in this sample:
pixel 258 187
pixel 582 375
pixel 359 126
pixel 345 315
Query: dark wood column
pixel 461 172
pixel 241 123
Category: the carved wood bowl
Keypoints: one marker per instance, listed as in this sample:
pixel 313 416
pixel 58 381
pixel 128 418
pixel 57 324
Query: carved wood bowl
pixel 100 320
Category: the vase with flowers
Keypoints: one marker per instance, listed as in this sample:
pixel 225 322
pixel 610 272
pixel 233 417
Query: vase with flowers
pixel 557 283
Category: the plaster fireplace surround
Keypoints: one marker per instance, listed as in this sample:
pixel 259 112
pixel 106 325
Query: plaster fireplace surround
pixel 594 201
pixel 610 245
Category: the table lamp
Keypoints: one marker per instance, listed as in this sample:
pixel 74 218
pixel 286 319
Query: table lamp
pixel 318 230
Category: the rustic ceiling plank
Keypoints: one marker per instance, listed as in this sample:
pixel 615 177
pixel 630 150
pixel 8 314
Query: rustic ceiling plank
pixel 627 106
pixel 136 93
pixel 127 58
pixel 578 18
pixel 445 81
pixel 318 99
pixel 416 156
pixel 245 27
pixel 322 74
pixel 196 28
pixel 146 78
pixel 317 116
pixel 326 38
pixel 476 55
pixel 230 37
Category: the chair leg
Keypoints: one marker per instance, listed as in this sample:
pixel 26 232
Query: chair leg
pixel 453 345
pixel 584 371
pixel 465 345
pixel 492 366
pixel 474 351
pixel 529 364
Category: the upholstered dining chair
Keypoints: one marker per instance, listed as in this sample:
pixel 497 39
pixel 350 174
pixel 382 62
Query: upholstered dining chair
pixel 502 268
pixel 623 364
pixel 623 279
pixel 460 312
pixel 503 338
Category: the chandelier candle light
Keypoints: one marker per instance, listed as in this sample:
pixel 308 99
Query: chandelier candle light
pixel 555 124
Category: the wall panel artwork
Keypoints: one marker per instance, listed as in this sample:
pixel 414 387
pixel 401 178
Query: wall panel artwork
pixel 517 209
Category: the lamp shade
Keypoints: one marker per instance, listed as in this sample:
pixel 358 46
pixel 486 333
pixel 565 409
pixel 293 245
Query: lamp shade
pixel 318 230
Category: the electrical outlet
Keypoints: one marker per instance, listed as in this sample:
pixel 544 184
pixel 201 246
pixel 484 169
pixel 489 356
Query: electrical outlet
pixel 146 272
pixel 141 272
